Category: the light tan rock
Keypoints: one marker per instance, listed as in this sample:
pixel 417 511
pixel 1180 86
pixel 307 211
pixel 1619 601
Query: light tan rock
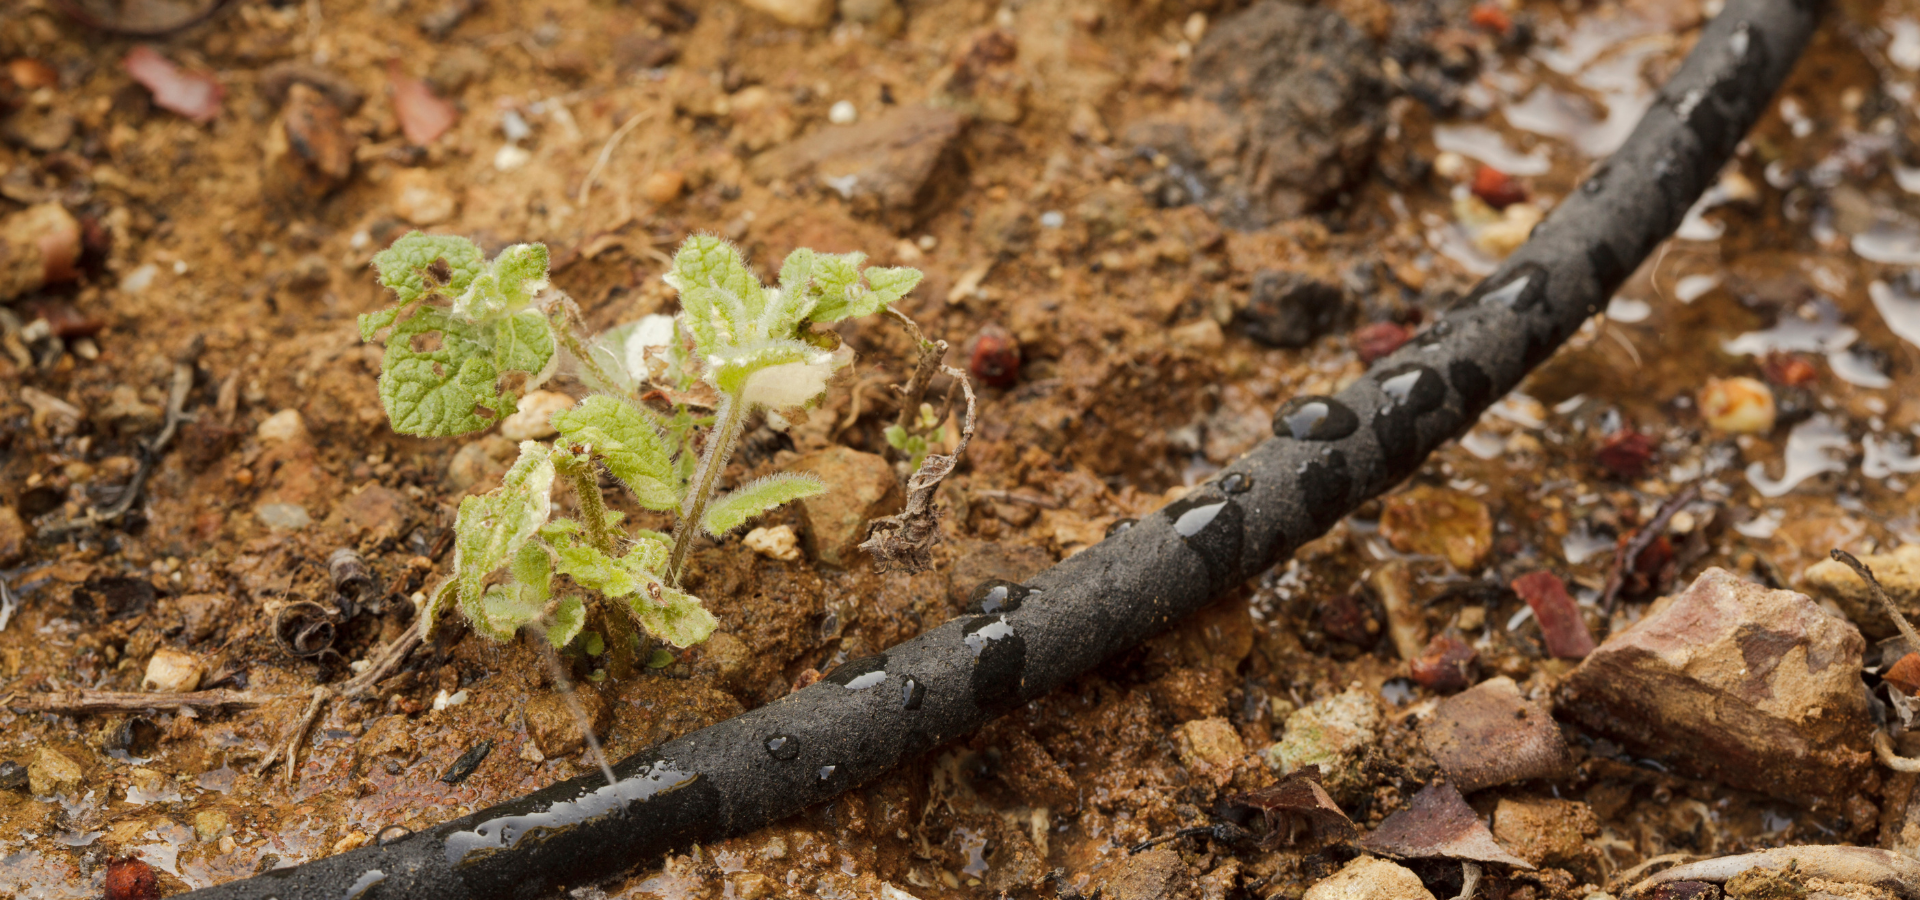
pixel 1370 878
pixel 172 670
pixel 1898 572
pixel 1336 734
pixel 285 425
pixel 860 487
pixel 778 542
pixel 1755 688
pixel 418 196
pixel 1210 748
pixel 1547 832
pixel 798 13
pixel 899 167
pixel 53 772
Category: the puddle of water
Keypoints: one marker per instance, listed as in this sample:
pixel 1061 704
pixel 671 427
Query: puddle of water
pixel 1816 329
pixel 1486 145
pixel 1889 243
pixel 1898 307
pixel 1810 449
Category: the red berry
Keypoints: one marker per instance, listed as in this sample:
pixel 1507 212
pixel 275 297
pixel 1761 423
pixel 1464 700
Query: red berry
pixel 995 358
pixel 1626 453
pixel 1490 17
pixel 130 878
pixel 1377 340
pixel 1497 188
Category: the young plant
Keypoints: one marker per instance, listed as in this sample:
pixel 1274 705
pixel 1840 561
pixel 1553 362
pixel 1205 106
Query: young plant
pixel 450 369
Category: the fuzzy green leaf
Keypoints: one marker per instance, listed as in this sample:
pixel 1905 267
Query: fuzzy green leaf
pixel 504 608
pixel 797 295
pixel 447 593
pixel 835 275
pixel 569 616
pixel 756 497
pixel 886 285
pixel 506 285
pixel 443 391
pixel 630 440
pixel 615 576
pixel 675 617
pixel 404 266
pixel 491 529
pixel 523 342
pixel 721 296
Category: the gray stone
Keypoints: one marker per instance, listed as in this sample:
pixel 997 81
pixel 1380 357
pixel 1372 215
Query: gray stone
pixel 1288 309
pixel 899 167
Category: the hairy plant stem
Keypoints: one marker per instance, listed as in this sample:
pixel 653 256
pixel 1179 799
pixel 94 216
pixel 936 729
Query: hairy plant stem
pixel 580 473
pixel 729 420
pixel 566 330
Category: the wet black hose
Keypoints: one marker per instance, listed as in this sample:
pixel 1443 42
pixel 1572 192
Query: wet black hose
pixel 1328 455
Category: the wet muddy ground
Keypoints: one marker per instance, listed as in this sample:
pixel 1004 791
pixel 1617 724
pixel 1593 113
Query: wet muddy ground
pixel 1173 254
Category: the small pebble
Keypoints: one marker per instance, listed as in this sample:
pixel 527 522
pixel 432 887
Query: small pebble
pixel 1053 218
pixel 663 187
pixel 285 425
pixel 1738 405
pixel 778 542
pixel 843 113
pixel 173 670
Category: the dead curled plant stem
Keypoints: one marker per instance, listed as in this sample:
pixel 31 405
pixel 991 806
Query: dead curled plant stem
pixel 1882 744
pixel 906 540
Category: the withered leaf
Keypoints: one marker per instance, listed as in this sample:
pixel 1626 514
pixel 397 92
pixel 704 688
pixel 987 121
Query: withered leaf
pixel 1438 823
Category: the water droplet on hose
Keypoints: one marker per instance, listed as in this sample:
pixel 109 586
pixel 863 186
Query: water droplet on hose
pixel 826 772
pixel 912 693
pixel 783 747
pixel 1236 483
pixel 1414 389
pixel 997 596
pixel 860 674
pixel 1211 526
pixel 1120 525
pixel 1525 289
pixel 1312 418
pixel 391 833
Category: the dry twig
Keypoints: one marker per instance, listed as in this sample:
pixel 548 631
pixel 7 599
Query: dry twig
pixel 1625 557
pixel 84 701
pixel 906 540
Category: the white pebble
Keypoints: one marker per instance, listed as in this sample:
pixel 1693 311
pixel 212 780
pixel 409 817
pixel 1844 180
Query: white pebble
pixel 843 113
pixel 534 420
pixel 778 542
pixel 285 425
pixel 1054 218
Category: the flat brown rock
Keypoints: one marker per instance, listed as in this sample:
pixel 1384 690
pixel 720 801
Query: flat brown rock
pixel 896 167
pixel 1490 735
pixel 1754 688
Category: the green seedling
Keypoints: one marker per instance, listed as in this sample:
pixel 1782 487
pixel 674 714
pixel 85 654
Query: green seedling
pixel 468 336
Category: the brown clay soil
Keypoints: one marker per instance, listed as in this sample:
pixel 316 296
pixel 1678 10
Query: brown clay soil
pixel 1038 211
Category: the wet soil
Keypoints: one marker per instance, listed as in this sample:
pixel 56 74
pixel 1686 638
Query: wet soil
pixel 1128 295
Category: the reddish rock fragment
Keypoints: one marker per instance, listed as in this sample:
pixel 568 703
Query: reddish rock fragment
pixel 1446 666
pixel 1438 824
pixel 32 74
pixel 38 245
pixel 66 321
pixel 1497 188
pixel 131 878
pixel 1378 340
pixel 994 358
pixel 1560 620
pixel 1350 618
pixel 423 116
pixel 1491 735
pixel 1626 453
pixel 1490 17
pixel 1788 370
pixel 1754 688
pixel 309 151
pixel 195 95
pixel 1905 674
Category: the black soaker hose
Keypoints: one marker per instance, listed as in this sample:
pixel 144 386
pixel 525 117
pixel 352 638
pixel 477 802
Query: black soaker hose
pixel 1329 454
